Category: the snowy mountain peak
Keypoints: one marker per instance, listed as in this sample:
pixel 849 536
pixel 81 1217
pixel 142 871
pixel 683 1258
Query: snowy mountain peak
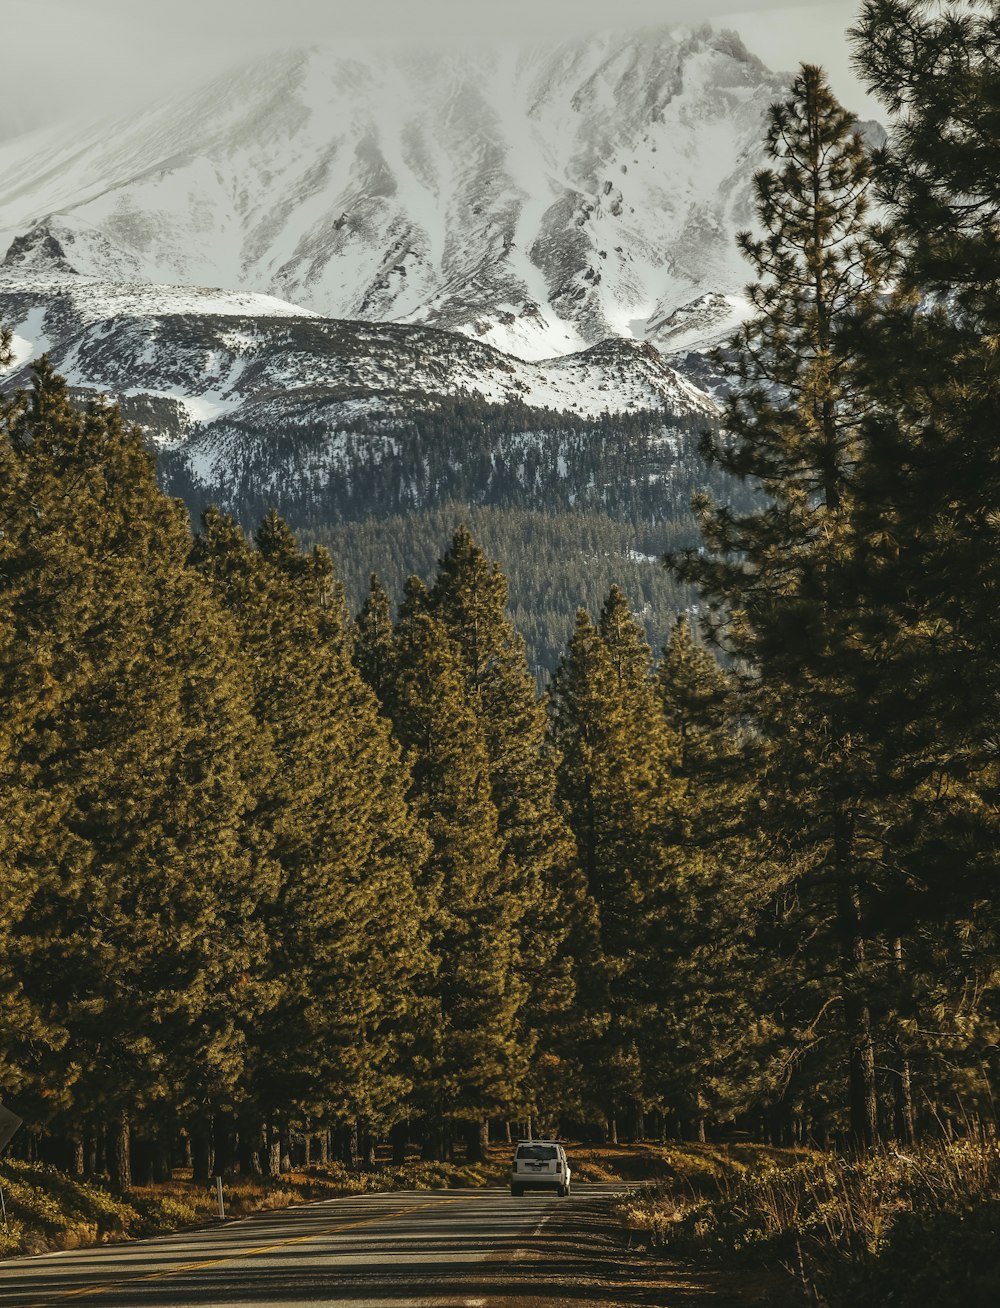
pixel 537 199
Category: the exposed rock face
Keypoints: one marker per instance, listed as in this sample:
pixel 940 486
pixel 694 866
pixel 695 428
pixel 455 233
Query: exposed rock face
pixel 539 200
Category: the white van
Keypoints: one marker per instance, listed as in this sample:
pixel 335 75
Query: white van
pixel 540 1165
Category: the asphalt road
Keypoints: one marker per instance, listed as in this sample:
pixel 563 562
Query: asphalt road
pixel 474 1249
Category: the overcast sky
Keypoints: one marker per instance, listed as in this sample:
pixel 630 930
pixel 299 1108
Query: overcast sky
pixel 97 56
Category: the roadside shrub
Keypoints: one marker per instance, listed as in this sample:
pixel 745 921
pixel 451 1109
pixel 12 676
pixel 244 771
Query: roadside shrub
pixel 160 1214
pixel 907 1228
pixel 48 1210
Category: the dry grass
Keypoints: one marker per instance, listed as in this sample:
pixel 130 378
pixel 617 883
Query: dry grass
pixel 911 1228
pixel 48 1210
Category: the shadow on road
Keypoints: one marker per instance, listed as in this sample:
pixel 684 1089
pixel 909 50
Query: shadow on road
pixel 491 1250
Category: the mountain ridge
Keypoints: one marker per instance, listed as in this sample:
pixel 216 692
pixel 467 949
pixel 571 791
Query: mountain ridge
pixel 538 199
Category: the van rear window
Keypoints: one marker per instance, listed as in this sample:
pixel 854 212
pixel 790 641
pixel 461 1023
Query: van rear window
pixel 541 1153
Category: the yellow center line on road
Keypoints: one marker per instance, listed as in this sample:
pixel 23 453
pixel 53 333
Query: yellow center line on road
pixel 118 1284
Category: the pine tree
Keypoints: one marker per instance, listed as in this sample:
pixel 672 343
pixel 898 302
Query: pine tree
pixel 30 819
pixel 616 778
pixel 929 495
pixel 700 703
pixel 473 1055
pixel 709 1047
pixel 373 640
pixel 782 597
pixel 344 932
pixel 932 483
pixel 538 870
pixel 131 726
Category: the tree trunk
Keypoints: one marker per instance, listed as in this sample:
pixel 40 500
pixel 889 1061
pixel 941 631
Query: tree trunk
pixel 273 1154
pixel 397 1138
pixel 78 1163
pixel 612 1130
pixel 862 1090
pixel 250 1147
pixel 142 1161
pixel 477 1141
pixel 366 1144
pixel 904 1119
pixel 91 1152
pixel 638 1121
pixel 349 1145
pixel 201 1151
pixel 120 1155
pixel 162 1162
pixel 904 1124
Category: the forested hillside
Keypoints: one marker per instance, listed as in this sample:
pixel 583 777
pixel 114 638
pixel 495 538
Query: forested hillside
pixel 569 507
pixel 554 562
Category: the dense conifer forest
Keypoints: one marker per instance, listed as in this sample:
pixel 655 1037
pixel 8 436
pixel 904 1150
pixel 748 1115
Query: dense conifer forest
pixel 553 562
pixel 285 872
pixel 568 505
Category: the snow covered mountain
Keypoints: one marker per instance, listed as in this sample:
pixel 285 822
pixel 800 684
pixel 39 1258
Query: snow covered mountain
pixel 539 200
pixel 244 394
pixel 205 354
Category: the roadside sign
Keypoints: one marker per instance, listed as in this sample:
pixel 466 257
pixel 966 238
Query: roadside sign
pixel 9 1122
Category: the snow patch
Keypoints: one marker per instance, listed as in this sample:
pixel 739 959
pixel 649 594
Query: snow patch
pixel 29 340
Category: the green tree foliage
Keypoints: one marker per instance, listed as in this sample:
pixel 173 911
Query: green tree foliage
pixel 779 579
pixel 374 640
pixel 706 1048
pixel 475 1052
pixel 616 781
pixel 345 928
pixel 553 563
pixel 927 515
pixel 537 854
pixel 266 868
pixel 434 451
pixel 125 718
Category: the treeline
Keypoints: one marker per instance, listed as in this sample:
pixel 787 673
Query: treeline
pixel 554 563
pixel 316 471
pixel 858 606
pixel 274 872
pixel 569 506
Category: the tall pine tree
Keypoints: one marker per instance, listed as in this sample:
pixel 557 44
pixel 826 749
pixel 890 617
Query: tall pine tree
pixel 927 512
pixel 132 728
pixel 474 1055
pixel 778 579
pixel 345 930
pixel 539 875
pixel 616 778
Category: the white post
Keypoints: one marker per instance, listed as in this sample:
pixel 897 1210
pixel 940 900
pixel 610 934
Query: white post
pixel 218 1195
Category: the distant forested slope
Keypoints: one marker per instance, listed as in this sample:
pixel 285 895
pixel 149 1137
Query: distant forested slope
pixel 569 506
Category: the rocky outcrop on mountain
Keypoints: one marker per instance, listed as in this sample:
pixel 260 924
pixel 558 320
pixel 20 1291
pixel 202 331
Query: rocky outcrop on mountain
pixel 236 385
pixel 538 200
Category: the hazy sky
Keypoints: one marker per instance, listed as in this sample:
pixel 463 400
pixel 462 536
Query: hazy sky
pixel 93 56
